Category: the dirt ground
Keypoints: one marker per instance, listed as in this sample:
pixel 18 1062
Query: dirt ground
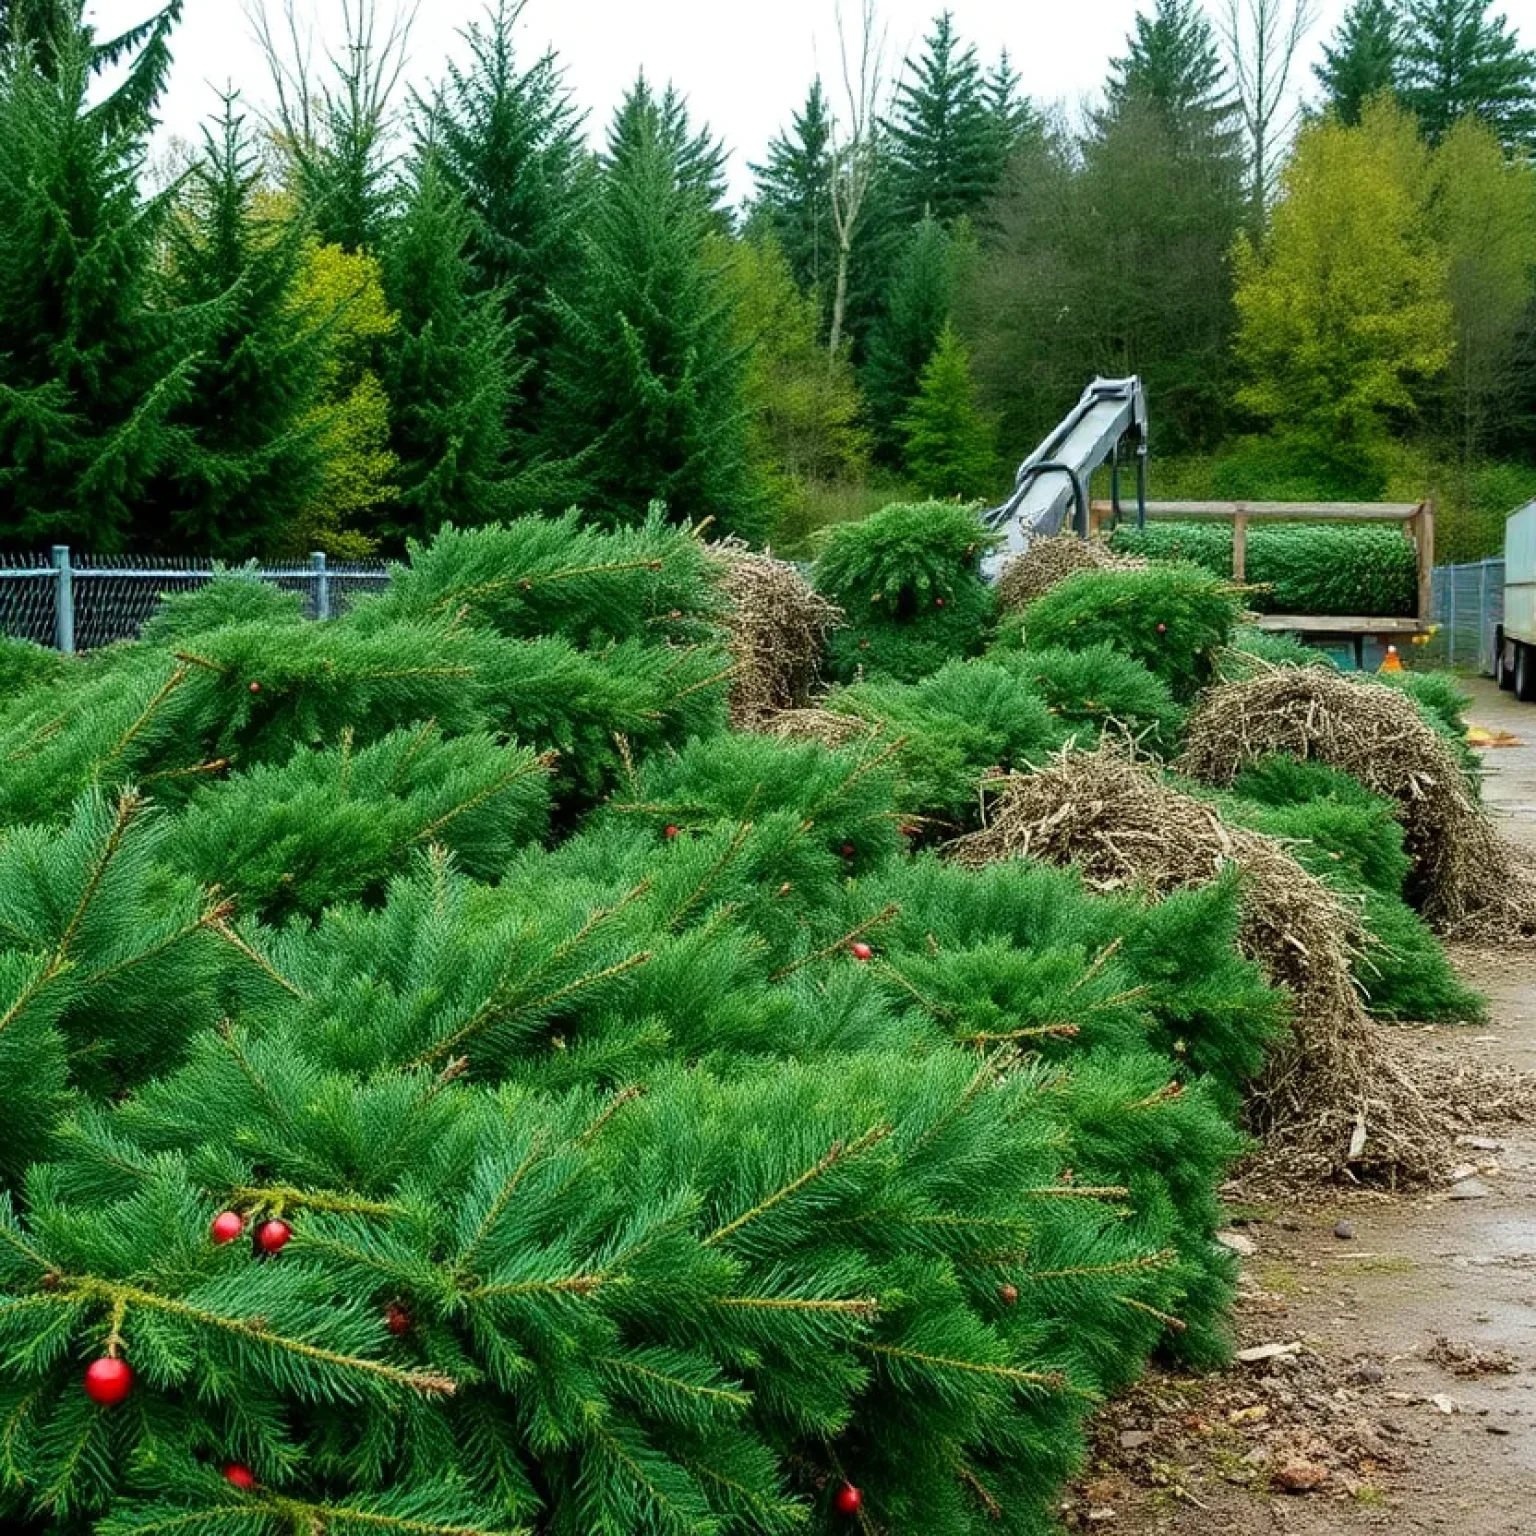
pixel 1405 1398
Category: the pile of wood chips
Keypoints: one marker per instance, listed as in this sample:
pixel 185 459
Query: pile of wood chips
pixel 777 625
pixel 1334 1097
pixel 1468 882
pixel 1048 562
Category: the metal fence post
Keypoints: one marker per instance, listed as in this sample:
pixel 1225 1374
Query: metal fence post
pixel 322 584
pixel 1450 628
pixel 63 600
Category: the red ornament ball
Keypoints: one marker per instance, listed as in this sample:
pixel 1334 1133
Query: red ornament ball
pixel 861 951
pixel 227 1226
pixel 108 1381
pixel 1008 1295
pixel 272 1236
pixel 849 850
pixel 255 687
pixel 672 832
pixel 1162 629
pixel 848 1500
pixel 240 1477
pixel 938 602
pixel 397 1319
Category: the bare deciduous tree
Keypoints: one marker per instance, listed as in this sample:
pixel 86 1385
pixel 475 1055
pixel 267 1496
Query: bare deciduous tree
pixel 1263 39
pixel 855 145
pixel 333 122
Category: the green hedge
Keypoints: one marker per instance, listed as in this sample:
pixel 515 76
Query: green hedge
pixel 1305 567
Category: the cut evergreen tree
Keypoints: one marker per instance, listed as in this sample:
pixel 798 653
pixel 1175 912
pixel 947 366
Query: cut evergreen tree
pixel 951 447
pixel 1459 59
pixel 1362 60
pixel 255 433
pixel 449 371
pixel 946 151
pixel 95 367
pixel 646 388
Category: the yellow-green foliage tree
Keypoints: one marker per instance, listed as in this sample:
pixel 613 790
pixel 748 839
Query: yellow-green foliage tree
pixel 1482 210
pixel 803 411
pixel 343 291
pixel 1342 308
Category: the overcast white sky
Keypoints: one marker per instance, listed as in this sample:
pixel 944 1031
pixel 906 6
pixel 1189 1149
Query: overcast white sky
pixel 743 64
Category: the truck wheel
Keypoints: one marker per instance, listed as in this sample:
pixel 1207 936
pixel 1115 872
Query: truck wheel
pixel 1503 671
pixel 1525 673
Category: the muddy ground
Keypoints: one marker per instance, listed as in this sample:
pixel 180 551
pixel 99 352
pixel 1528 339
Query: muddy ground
pixel 1405 1398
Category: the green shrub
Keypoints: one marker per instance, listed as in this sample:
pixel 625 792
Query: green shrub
pixel 1174 619
pixel 951 728
pixel 1314 568
pixel 24 665
pixel 1101 689
pixel 908 580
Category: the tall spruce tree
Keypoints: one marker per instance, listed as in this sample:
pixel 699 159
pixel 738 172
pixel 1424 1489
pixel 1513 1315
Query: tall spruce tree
pixel 646 381
pixel 95 367
pixel 255 450
pixel 793 196
pixel 1173 64
pixel 449 370
pixel 509 143
pixel 1459 60
pixel 918 304
pixel 944 147
pixel 1013 116
pixel 1361 61
pixel 698 157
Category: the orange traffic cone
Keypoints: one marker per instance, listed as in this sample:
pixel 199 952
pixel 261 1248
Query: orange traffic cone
pixel 1393 663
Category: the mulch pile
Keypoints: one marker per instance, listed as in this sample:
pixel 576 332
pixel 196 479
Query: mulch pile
pixel 1335 1097
pixel 1048 562
pixel 778 626
pixel 1468 882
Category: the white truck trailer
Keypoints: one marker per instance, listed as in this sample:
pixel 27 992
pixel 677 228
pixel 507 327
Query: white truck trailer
pixel 1514 647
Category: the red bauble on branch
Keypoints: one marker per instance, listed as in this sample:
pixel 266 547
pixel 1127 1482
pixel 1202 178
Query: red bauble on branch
pixel 397 1319
pixel 1008 1295
pixel 672 832
pixel 849 850
pixel 1162 629
pixel 108 1380
pixel 255 687
pixel 848 1500
pixel 227 1226
pixel 272 1236
pixel 240 1477
pixel 861 951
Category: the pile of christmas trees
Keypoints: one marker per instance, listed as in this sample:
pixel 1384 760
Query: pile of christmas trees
pixel 455 1085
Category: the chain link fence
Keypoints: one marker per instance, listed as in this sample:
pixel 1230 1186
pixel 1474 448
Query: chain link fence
pixel 1467 605
pixel 77 603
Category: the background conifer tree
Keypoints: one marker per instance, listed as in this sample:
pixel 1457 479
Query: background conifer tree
pixel 697 156
pixel 944 144
pixel 255 454
pixel 793 194
pixel 919 301
pixel 645 395
pixel 1459 57
pixel 1173 64
pixel 1013 116
pixel 449 370
pixel 509 143
pixel 1361 60
pixel 951 447
pixel 95 367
